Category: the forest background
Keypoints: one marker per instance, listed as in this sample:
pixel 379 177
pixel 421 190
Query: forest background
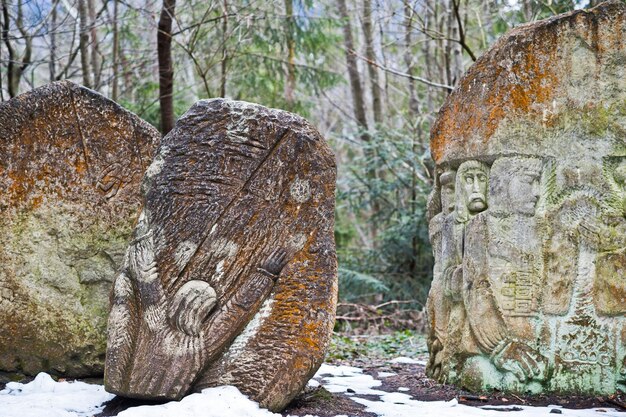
pixel 369 74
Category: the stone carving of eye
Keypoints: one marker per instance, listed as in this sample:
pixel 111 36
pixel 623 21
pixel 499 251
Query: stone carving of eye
pixel 469 180
pixel 482 178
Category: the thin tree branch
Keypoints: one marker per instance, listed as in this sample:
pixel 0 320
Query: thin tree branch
pixel 403 74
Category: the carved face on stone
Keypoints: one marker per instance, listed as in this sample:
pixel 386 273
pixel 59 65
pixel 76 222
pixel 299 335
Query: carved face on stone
pixel 447 191
pixel 620 178
pixel 475 188
pixel 524 192
pixel 471 189
pixel 515 185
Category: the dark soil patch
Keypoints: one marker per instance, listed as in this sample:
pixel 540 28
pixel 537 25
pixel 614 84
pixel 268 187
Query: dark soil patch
pixel 119 404
pixel 319 402
pixel 413 381
pixel 409 379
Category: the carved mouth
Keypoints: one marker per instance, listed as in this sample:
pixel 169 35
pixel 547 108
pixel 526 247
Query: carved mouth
pixel 477 198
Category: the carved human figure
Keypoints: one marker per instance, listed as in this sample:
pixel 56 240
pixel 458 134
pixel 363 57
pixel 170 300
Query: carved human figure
pixel 501 270
pixel 470 198
pixel 437 306
pixel 173 330
pixel 598 237
pixel 471 181
pixel 471 184
pixel 609 234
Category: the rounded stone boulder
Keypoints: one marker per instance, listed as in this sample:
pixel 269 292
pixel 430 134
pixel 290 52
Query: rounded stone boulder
pixel 71 164
pixel 231 278
pixel 528 213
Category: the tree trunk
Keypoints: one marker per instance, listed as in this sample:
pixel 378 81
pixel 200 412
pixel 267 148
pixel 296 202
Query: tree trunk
pixel 166 68
pixel 224 62
pixel 290 82
pixel 359 109
pixel 457 48
pixel 16 66
pixel 430 60
pixel 408 60
pixel 353 71
pixel 449 23
pixel 116 46
pixel 3 28
pixel 370 54
pixel 53 42
pixel 84 43
pixel 95 45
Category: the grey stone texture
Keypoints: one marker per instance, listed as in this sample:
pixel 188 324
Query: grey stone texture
pixel 529 285
pixel 71 163
pixel 232 276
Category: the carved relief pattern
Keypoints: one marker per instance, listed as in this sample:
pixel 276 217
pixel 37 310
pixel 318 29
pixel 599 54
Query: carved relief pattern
pixel 506 310
pixel 231 278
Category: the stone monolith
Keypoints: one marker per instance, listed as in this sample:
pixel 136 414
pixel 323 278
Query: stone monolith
pixel 231 278
pixel 529 235
pixel 71 163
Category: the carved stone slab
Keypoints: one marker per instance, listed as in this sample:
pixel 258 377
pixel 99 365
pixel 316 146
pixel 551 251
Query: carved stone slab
pixel 528 214
pixel 71 163
pixel 232 276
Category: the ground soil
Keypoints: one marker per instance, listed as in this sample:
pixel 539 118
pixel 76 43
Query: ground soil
pixel 319 402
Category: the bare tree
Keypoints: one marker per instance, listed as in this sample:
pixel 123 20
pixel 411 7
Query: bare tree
pixel 95 45
pixel 84 43
pixel 53 42
pixel 116 49
pixel 290 84
pixel 166 67
pixel 16 66
pixel 358 101
pixel 370 54
pixel 224 63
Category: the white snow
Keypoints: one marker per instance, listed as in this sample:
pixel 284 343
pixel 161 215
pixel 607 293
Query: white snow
pixel 386 374
pixel 410 361
pixel 224 401
pixel 344 378
pixel 313 383
pixel 396 404
pixel 45 397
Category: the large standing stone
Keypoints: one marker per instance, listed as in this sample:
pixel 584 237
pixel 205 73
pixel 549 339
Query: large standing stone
pixel 529 287
pixel 71 162
pixel 232 276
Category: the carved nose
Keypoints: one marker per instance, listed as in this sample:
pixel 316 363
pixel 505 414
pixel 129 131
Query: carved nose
pixel 476 184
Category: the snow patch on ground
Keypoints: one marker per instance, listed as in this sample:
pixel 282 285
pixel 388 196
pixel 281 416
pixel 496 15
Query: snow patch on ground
pixel 403 359
pixel 46 397
pixel 224 401
pixel 347 379
pixel 353 382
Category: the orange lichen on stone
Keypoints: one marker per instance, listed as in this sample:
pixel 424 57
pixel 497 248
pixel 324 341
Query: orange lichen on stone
pixel 243 183
pixel 61 236
pixel 519 77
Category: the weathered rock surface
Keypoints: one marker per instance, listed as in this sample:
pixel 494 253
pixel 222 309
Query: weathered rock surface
pixel 232 276
pixel 528 213
pixel 71 163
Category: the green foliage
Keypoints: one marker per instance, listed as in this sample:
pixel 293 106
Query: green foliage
pixel 144 104
pixel 387 186
pixel 402 343
pixel 353 285
pixel 263 59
